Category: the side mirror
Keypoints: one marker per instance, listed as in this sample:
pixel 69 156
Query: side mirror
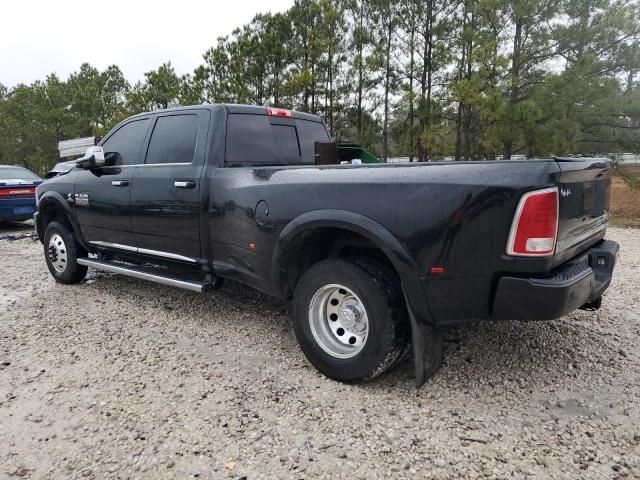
pixel 93 158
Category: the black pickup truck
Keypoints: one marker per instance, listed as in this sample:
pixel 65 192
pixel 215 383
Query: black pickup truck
pixel 376 259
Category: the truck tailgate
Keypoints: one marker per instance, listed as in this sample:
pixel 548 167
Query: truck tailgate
pixel 584 187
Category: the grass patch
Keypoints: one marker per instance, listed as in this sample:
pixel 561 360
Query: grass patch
pixel 625 222
pixel 630 175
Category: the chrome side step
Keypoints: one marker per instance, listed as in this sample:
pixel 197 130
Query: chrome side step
pixel 142 275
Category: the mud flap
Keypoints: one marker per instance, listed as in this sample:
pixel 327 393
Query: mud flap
pixel 427 347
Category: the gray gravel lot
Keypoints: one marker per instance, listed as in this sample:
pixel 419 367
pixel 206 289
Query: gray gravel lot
pixel 116 378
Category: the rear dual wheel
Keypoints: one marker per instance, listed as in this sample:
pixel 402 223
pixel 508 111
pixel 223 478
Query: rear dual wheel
pixel 350 319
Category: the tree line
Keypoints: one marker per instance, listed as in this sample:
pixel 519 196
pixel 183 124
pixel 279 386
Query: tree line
pixel 424 79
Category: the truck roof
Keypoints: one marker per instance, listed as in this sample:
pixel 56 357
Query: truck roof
pixel 233 109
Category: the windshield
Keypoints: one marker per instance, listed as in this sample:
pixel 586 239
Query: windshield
pixel 17 173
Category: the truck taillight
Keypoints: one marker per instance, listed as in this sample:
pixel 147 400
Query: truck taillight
pixel 279 112
pixel 535 225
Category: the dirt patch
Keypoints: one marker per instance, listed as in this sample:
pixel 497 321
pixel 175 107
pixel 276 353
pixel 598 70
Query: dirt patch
pixel 625 196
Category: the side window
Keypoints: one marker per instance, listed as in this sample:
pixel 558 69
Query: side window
pixel 310 133
pixel 173 139
pixel 246 136
pixel 253 140
pixel 126 142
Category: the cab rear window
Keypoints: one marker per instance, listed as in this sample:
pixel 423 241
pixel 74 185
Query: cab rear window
pixel 259 140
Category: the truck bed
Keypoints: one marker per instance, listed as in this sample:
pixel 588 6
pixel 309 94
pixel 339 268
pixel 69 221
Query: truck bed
pixel 456 215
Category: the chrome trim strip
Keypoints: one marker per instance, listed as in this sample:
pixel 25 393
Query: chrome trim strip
pixel 157 253
pixel 567 243
pixel 163 164
pixel 173 282
pixel 149 165
pixel 114 245
pixel 144 251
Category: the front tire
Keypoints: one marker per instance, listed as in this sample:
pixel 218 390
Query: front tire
pixel 350 319
pixel 61 250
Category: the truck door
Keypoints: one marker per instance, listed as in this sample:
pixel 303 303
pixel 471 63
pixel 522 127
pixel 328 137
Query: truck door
pixel 165 197
pixel 102 195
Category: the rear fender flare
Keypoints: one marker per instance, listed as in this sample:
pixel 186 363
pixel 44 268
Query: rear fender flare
pixel 368 228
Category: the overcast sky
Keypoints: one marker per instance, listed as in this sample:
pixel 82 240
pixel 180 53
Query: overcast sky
pixel 38 37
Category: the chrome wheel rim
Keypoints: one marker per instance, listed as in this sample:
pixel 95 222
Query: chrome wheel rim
pixel 57 253
pixel 338 321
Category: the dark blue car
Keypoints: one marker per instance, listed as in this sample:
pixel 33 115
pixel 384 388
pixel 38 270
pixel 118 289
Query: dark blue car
pixel 17 193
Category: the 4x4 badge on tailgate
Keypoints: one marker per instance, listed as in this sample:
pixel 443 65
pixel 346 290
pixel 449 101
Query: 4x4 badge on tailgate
pixel 565 192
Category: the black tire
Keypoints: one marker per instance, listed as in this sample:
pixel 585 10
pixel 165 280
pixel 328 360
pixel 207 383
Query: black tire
pixel 374 267
pixel 388 324
pixel 64 270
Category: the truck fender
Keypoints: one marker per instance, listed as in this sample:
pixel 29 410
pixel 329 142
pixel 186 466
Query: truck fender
pixel 54 200
pixel 427 340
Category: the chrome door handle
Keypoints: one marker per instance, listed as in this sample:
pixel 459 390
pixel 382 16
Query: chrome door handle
pixel 120 183
pixel 184 184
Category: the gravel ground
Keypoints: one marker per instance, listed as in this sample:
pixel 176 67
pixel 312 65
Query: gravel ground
pixel 117 378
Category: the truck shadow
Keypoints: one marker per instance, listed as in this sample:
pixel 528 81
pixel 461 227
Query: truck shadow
pixel 524 355
pixel 16 228
pixel 482 355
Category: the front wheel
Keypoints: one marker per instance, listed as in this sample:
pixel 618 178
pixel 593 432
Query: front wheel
pixel 62 250
pixel 350 319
